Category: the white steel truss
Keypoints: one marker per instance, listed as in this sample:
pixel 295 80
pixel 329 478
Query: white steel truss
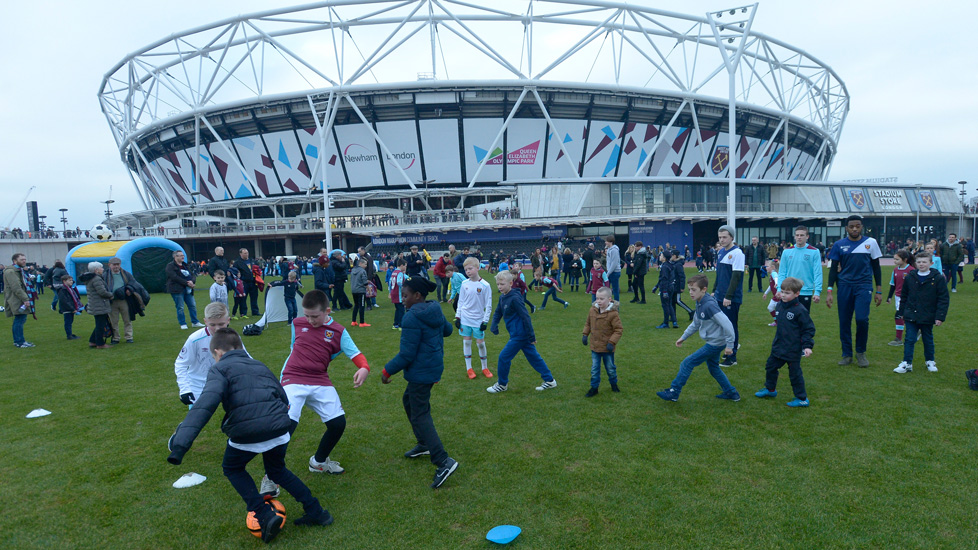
pixel 334 47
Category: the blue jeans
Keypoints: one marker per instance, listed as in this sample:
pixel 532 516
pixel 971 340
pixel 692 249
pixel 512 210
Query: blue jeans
pixel 532 356
pixel 609 365
pixel 179 300
pixel 290 307
pixel 711 356
pixel 18 328
pixel 951 276
pixel 927 335
pixel 552 291
pixel 69 321
pixel 613 279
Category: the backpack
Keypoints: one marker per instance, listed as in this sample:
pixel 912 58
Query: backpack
pixel 371 290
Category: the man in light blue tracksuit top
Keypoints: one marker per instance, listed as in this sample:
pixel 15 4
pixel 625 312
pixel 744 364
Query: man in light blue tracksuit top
pixel 803 262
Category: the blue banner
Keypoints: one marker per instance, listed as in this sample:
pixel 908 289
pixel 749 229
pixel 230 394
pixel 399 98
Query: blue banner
pixel 556 232
pixel 657 233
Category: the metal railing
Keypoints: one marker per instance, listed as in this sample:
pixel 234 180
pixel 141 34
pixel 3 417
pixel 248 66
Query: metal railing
pixel 697 208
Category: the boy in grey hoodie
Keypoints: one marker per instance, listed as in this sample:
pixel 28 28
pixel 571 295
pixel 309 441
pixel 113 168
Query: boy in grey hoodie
pixel 718 333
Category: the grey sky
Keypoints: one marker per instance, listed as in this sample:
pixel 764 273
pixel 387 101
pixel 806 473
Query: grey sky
pixel 908 69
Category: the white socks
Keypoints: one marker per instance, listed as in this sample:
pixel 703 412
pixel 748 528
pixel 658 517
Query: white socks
pixel 483 354
pixel 467 351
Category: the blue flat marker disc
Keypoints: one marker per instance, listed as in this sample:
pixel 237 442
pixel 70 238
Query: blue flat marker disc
pixel 503 534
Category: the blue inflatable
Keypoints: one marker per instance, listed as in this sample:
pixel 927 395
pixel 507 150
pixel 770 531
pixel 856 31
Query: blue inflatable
pixel 145 258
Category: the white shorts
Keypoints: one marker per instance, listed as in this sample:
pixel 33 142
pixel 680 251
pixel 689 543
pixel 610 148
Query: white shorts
pixel 323 400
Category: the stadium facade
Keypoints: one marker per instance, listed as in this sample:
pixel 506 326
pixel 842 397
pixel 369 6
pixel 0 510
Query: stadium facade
pixel 426 117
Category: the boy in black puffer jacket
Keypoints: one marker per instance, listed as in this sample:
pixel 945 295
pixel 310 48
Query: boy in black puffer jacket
pixel 793 339
pixel 923 303
pixel 423 331
pixel 256 420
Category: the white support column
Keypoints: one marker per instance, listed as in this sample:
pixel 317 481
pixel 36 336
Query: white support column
pixel 556 131
pixel 383 146
pixel 499 136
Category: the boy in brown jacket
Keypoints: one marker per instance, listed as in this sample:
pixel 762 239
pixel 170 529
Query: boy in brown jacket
pixel 604 325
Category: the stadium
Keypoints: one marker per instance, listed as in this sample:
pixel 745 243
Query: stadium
pixel 430 121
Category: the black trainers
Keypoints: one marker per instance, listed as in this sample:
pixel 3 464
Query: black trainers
pixel 731 395
pixel 972 379
pixel 614 388
pixel 669 394
pixel 270 527
pixel 445 470
pixel 728 362
pixel 324 518
pixel 591 392
pixel 418 450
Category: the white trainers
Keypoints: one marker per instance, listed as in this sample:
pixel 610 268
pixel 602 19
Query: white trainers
pixel 931 366
pixel 184 327
pixel 905 368
pixel 199 325
pixel 327 467
pixel 497 388
pixel 547 385
pixel 268 487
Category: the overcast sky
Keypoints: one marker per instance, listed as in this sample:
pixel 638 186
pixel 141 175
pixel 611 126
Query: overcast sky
pixel 911 74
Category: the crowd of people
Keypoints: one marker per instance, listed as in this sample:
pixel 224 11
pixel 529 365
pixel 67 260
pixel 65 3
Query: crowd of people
pixel 213 366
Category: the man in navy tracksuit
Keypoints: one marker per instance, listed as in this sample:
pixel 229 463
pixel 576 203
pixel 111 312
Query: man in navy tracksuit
pixel 795 336
pixel 728 288
pixel 855 265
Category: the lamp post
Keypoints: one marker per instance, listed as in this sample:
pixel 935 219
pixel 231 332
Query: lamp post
pixel 916 231
pixel 108 208
pixel 64 221
pixel 961 211
pixel 42 218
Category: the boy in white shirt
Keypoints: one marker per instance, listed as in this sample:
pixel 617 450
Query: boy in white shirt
pixel 473 314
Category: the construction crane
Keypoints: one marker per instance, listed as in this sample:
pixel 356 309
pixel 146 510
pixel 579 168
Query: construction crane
pixel 19 206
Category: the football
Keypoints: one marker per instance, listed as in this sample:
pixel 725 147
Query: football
pixel 101 232
pixel 252 522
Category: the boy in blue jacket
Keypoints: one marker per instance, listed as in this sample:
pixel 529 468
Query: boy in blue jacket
pixel 256 421
pixel 521 337
pixel 421 357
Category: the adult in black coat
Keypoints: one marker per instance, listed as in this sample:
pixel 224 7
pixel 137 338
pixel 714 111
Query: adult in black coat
pixel 217 262
pixel 341 272
pixel 243 265
pixel 415 263
pixel 322 276
pixel 640 266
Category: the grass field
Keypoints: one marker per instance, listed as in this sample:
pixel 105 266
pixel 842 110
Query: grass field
pixel 879 460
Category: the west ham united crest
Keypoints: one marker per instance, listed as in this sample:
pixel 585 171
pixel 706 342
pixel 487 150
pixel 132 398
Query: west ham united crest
pixel 720 159
pixel 858 198
pixel 927 199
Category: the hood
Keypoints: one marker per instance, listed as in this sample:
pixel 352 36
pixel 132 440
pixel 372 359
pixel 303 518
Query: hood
pixel 85 278
pixel 429 313
pixel 612 306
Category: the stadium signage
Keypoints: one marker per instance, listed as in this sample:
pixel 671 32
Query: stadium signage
pixel 889 199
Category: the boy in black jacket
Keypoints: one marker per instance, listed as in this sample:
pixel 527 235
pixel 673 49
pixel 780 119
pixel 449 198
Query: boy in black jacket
pixel 795 337
pixel 421 357
pixel 256 420
pixel 923 304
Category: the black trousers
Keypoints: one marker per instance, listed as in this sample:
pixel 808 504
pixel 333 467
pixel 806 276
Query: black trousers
pixel 750 280
pixel 638 285
pixel 235 461
pixel 794 374
pixel 101 325
pixel 416 405
pixel 340 299
pixel 358 306
pixel 806 301
pixel 251 289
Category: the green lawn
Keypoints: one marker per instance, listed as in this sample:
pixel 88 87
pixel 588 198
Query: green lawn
pixel 879 460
